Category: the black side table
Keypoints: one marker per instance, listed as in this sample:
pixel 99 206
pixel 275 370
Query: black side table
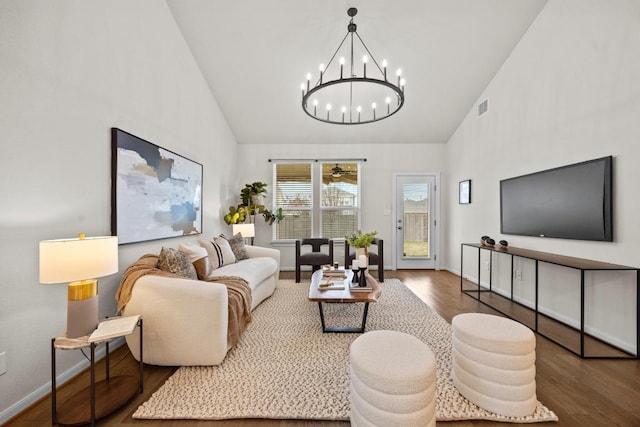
pixel 101 398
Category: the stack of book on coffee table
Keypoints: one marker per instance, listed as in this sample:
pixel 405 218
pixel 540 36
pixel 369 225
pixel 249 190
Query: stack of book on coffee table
pixel 355 287
pixel 332 278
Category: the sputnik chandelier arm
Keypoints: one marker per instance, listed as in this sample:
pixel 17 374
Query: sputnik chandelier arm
pixel 357 95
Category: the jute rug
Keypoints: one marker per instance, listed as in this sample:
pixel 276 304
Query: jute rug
pixel 285 368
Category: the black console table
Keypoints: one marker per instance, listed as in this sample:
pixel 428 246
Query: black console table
pixel 567 336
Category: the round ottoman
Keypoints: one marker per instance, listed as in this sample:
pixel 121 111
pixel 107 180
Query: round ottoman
pixel 494 363
pixel 392 381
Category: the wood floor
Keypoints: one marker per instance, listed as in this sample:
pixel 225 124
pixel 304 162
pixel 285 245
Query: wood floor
pixel 581 392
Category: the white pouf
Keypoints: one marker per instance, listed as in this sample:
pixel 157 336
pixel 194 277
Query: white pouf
pixel 392 381
pixel 494 363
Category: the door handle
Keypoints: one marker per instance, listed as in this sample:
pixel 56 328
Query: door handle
pixel 399 228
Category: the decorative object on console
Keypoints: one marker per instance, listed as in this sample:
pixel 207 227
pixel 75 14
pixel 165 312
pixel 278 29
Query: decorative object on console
pixel 487 241
pixel 79 261
pixel 155 193
pixel 503 244
pixel 352 93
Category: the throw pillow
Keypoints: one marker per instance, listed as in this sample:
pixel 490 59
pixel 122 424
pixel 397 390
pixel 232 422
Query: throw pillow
pixel 219 251
pixel 199 257
pixel 237 246
pixel 176 262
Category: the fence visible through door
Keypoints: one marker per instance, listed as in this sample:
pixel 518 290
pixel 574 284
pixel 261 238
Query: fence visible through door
pixel 415 222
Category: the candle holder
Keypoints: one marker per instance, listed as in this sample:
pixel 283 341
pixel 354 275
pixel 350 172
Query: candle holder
pixel 355 278
pixel 362 281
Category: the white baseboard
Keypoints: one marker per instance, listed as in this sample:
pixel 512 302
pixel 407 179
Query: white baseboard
pixel 62 378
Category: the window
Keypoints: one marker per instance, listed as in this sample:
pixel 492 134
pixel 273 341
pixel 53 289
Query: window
pixel 318 199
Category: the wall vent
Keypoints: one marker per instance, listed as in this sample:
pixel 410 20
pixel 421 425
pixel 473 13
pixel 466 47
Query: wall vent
pixel 483 107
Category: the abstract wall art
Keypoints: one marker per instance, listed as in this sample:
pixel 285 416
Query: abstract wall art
pixel 156 193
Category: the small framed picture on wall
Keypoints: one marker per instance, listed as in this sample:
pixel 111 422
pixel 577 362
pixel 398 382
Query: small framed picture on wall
pixel 464 192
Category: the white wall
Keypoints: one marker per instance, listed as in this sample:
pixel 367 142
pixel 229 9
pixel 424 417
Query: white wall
pixel 69 71
pixel 569 92
pixel 383 160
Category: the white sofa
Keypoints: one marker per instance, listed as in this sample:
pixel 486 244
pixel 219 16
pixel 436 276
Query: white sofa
pixel 185 321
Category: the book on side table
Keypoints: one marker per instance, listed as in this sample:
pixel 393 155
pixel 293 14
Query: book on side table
pixel 114 327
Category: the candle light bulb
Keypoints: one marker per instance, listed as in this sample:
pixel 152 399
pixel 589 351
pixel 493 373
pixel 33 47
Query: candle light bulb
pixel 343 109
pixel 315 102
pixel 365 59
pixel 359 109
pixel 328 107
pixel 402 82
pixel 384 63
pixel 308 76
pixel 373 105
pixel 321 67
pixel 302 86
pixel 399 72
pixel 387 100
pixel 342 60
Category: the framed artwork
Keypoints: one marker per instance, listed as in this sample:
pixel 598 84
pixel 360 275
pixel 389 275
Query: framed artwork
pixel 464 192
pixel 155 193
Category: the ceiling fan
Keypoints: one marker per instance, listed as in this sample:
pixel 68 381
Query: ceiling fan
pixel 337 171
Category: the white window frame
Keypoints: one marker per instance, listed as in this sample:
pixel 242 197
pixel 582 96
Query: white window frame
pixel 316 192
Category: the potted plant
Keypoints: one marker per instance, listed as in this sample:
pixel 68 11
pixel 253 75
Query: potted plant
pixel 361 241
pixel 252 196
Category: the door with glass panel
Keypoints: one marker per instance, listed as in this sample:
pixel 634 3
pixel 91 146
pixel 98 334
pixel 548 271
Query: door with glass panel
pixel 415 221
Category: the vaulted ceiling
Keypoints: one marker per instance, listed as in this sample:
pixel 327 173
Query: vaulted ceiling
pixel 255 53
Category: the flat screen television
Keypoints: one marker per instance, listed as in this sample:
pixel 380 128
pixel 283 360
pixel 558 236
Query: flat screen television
pixel 569 202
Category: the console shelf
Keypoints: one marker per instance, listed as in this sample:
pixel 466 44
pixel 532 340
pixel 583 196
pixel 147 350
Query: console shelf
pixel 569 337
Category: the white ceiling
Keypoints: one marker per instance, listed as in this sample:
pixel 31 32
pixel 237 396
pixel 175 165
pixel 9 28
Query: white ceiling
pixel 255 53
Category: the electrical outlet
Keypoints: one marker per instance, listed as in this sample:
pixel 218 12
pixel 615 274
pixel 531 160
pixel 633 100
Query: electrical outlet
pixel 3 363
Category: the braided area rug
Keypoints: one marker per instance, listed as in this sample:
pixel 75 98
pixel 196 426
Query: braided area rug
pixel 285 368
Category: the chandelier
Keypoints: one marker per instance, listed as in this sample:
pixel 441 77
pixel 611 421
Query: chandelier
pixel 349 93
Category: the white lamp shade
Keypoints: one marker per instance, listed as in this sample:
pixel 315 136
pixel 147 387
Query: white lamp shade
pixel 69 260
pixel 247 230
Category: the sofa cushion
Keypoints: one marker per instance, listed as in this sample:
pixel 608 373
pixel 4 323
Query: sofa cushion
pixel 199 258
pixel 219 251
pixel 253 270
pixel 174 261
pixel 237 246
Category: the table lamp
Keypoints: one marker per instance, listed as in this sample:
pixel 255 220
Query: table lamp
pixel 246 230
pixel 79 261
